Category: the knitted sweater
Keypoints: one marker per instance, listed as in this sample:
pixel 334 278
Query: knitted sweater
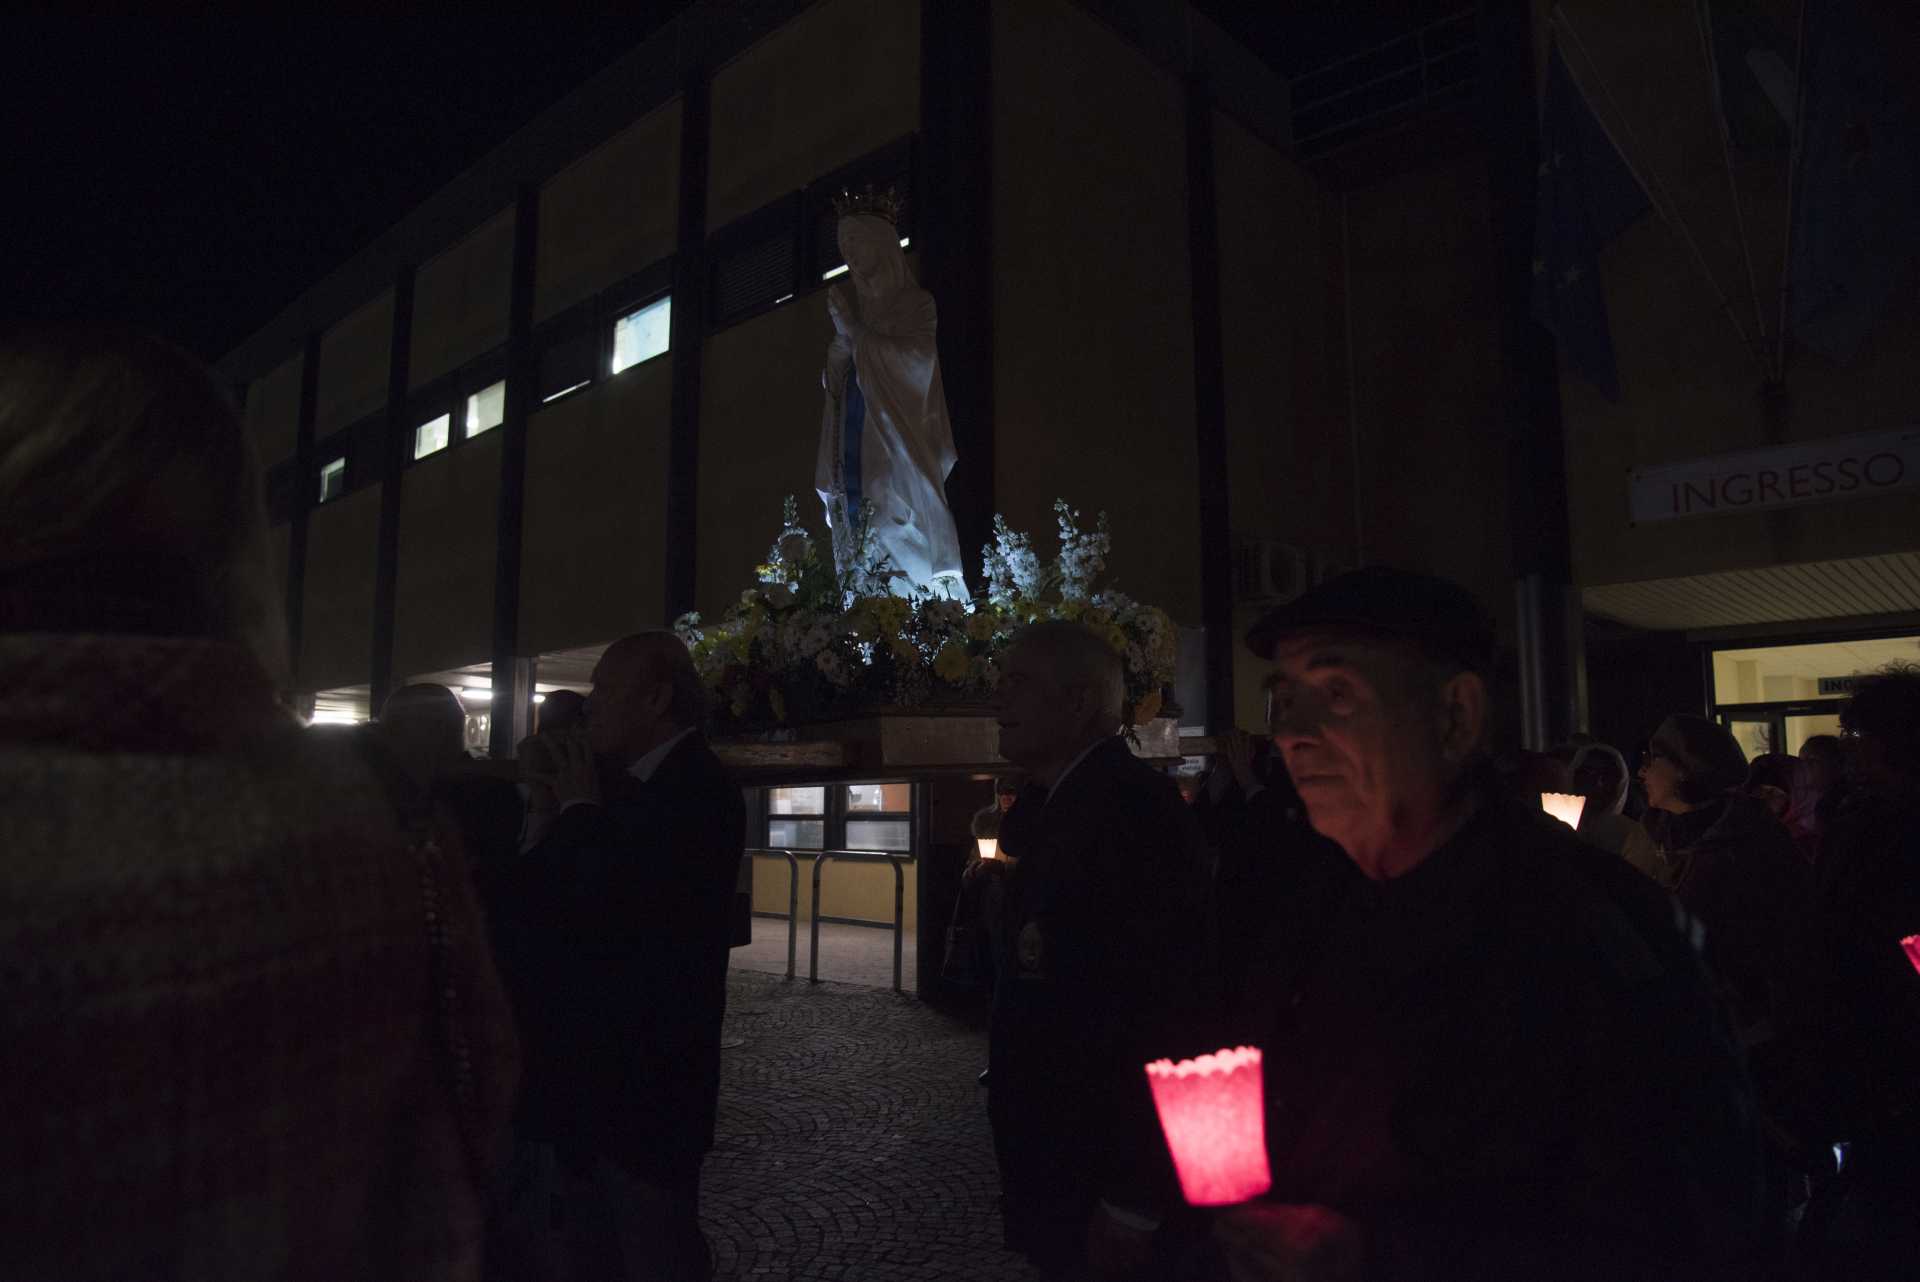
pixel 225 1045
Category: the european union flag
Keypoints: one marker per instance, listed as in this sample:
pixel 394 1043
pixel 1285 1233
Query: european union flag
pixel 1585 197
pixel 1857 198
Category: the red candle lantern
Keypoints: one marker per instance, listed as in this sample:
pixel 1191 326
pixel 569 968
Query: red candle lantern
pixel 1912 944
pixel 1213 1114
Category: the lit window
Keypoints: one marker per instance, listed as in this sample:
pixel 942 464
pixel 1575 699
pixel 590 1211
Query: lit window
pixel 879 834
pixel 879 798
pixel 841 270
pixel 796 801
pixel 333 480
pixel 431 436
pixel 641 335
pixel 486 408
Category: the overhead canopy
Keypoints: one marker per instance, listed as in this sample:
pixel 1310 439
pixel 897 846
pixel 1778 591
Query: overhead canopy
pixel 1826 590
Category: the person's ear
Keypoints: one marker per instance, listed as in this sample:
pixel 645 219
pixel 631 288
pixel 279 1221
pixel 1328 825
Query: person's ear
pixel 1463 715
pixel 660 699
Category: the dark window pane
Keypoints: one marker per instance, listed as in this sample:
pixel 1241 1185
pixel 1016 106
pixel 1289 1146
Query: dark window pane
pixel 754 276
pixel 567 365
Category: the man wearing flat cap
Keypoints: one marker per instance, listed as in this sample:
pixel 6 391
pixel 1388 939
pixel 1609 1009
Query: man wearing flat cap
pixel 1498 1055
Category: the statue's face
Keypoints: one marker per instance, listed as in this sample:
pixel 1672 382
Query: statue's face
pixel 864 241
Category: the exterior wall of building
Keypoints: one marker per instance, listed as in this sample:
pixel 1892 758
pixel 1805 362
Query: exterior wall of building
pixel 1689 386
pixel 443 589
pixel 595 524
pixel 759 440
pixel 838 81
pixel 460 301
pixel 609 214
pixel 336 643
pixel 846 890
pixel 1289 449
pixel 273 412
pixel 1426 378
pixel 1093 329
pixel 353 366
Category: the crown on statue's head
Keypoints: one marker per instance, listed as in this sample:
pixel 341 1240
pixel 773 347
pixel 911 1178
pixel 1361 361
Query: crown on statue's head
pixel 886 204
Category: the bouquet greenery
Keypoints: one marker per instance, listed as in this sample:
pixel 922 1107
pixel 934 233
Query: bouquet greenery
pixel 820 636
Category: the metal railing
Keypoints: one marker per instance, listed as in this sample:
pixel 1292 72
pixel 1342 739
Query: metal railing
pixel 1342 98
pixel 793 897
pixel 899 904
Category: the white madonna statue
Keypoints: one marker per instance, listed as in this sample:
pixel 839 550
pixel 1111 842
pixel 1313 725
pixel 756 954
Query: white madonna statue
pixel 884 437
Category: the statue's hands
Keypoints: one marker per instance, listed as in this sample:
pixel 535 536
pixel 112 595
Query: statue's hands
pixel 840 311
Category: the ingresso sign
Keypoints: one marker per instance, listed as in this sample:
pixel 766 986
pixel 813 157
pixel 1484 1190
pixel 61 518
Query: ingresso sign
pixel 1784 476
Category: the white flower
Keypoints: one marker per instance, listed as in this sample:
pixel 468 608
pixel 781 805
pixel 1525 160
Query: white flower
pixel 832 667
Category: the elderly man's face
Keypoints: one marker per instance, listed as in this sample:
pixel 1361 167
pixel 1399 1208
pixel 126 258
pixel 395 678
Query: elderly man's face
pixel 625 712
pixel 1040 718
pixel 1358 723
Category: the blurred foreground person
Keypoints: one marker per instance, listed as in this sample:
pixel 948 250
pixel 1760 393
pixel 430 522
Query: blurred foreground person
pixel 1599 773
pixel 1101 947
pixel 1863 1085
pixel 1499 1058
pixel 244 1033
pixel 614 929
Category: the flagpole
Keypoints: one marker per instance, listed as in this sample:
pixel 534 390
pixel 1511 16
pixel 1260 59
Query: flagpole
pixel 1670 211
pixel 1702 18
pixel 1793 191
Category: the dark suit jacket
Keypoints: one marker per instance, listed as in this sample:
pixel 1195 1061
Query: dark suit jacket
pixel 1103 940
pixel 615 930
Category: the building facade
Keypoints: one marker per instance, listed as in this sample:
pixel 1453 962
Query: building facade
pixel 1273 329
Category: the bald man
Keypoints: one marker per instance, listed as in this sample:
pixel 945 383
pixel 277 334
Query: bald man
pixel 1103 931
pixel 618 926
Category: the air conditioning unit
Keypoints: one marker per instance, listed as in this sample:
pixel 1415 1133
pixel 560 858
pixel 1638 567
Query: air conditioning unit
pixel 1266 570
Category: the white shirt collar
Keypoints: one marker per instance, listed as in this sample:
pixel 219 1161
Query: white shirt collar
pixel 643 769
pixel 1084 754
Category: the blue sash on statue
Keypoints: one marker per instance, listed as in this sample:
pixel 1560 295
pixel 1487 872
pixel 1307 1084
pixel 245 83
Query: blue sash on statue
pixel 853 427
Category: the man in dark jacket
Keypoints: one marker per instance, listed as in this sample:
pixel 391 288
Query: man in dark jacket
pixel 1102 941
pixel 619 935
pixel 1499 1057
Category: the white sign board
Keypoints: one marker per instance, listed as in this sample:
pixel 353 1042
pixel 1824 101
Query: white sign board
pixel 1841 467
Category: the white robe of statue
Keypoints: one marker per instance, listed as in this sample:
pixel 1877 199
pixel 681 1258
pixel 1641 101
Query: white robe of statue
pixel 884 437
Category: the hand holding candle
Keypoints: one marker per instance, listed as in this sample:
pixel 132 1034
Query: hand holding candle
pixel 1213 1113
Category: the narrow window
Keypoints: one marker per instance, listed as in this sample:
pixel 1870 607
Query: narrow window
pixel 333 480
pixel 642 335
pixel 486 408
pixel 431 436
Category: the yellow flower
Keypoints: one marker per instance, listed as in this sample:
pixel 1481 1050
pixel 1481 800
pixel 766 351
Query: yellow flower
pixel 902 649
pixel 980 626
pixel 951 663
pixel 1116 638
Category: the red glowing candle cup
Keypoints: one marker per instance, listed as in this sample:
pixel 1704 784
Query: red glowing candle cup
pixel 1912 944
pixel 1214 1117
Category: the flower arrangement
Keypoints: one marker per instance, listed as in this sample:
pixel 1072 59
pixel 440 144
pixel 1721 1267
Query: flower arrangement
pixel 819 637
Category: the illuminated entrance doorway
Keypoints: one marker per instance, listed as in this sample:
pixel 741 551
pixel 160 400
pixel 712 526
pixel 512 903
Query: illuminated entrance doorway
pixel 1776 697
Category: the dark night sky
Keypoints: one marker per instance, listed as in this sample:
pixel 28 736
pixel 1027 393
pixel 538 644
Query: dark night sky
pixel 195 177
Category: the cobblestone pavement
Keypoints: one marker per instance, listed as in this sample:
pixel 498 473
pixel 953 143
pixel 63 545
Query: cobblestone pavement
pixel 853 1142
